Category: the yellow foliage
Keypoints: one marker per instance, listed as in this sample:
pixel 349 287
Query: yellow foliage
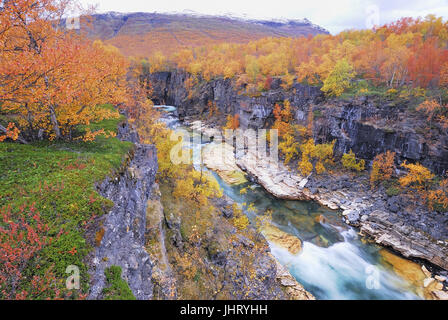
pixel 417 177
pixel 320 154
pixel 197 187
pixel 286 131
pixel 339 79
pixel 241 222
pixel 349 161
pixel 305 166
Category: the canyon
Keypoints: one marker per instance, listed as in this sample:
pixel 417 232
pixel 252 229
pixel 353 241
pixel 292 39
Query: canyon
pixel 362 124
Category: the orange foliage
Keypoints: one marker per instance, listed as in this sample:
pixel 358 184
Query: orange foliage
pixel 382 168
pixel 418 177
pixel 435 111
pixel 439 196
pixel 233 122
pixel 410 52
pixel 12 132
pixel 54 79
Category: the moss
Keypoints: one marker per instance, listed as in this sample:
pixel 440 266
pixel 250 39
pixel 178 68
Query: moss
pixel 393 191
pixel 99 236
pixel 117 288
pixel 317 114
pixel 59 178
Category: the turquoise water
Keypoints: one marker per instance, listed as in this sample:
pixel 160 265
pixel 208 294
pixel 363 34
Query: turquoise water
pixel 334 263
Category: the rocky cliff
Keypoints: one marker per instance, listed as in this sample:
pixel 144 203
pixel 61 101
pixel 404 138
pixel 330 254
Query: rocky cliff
pixel 367 125
pixel 120 239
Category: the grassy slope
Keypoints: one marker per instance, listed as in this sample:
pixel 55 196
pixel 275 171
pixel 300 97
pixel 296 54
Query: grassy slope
pixel 59 178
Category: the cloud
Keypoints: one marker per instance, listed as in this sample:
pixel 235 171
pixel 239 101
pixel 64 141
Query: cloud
pixel 335 15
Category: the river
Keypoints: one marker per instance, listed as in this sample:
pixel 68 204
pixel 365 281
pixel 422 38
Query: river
pixel 335 262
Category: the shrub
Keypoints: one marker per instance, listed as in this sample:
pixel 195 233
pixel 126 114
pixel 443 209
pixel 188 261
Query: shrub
pixel 382 168
pixel 418 177
pixel 117 289
pixel 23 235
pixel 393 191
pixel 349 161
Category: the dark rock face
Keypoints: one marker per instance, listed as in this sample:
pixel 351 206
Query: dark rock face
pixel 370 129
pixel 124 226
pixel 366 126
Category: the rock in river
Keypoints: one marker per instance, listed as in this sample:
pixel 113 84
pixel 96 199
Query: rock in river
pixel 282 239
pixel 220 158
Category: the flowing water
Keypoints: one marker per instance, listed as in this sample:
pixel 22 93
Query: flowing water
pixel 334 263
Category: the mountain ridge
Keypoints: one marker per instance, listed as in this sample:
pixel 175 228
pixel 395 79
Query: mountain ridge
pixel 144 33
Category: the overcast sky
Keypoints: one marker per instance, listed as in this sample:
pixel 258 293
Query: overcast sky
pixel 334 15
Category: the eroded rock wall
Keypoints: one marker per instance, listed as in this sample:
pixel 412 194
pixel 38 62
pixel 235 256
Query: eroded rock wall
pixel 368 126
pixel 123 228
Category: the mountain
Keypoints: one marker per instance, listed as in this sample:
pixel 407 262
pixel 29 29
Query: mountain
pixel 140 34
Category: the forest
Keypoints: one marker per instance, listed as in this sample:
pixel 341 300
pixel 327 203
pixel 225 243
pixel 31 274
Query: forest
pixel 408 56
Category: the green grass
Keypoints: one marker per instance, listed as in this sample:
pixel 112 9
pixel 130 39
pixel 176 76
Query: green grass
pixel 117 288
pixel 59 178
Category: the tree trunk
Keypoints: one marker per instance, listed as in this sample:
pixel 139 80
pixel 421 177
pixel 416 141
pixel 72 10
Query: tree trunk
pixel 54 122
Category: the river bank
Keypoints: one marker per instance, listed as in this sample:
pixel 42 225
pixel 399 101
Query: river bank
pixel 151 235
pixel 373 212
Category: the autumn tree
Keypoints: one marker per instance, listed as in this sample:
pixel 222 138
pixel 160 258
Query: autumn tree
pixel 233 122
pixel 349 161
pixel 52 79
pixel 418 177
pixel 288 144
pixel 383 167
pixel 339 79
pixel 438 198
pixel 196 187
pixel 315 156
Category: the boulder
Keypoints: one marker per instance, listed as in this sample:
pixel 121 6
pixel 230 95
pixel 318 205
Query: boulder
pixel 282 239
pixel 292 288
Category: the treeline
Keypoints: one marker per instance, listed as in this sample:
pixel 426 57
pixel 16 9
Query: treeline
pixel 409 53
